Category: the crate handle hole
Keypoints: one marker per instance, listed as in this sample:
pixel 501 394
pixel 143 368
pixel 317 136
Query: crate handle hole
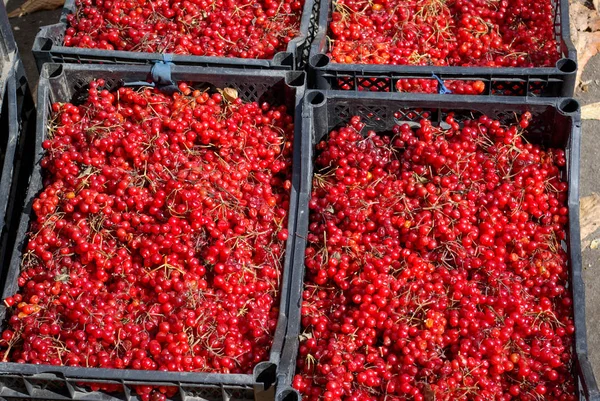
pixel 284 58
pixel 266 373
pixel 319 60
pixel 296 78
pixel 52 71
pixel 46 44
pixel 566 65
pixel 316 98
pixel 568 106
pixel 289 395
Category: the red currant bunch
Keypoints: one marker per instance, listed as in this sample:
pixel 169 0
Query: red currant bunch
pixel 221 28
pixel 502 33
pixel 434 266
pixel 158 238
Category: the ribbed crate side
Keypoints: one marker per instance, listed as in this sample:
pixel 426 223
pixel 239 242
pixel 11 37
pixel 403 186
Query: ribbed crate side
pixel 21 131
pixel 68 83
pixel 51 386
pixel 16 108
pixel 556 124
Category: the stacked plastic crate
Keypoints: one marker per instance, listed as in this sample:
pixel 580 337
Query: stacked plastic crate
pixel 65 76
pixel 335 93
pixel 17 119
pixel 339 91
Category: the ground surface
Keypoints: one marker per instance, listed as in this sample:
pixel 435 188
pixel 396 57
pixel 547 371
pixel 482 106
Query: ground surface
pixel 25 29
pixel 590 167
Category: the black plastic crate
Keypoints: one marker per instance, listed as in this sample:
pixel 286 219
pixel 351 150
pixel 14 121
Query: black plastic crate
pixel 556 123
pixel 27 381
pixel 558 81
pixel 11 75
pixel 17 124
pixel 48 48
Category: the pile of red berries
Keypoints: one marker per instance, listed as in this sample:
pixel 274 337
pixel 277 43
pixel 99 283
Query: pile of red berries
pixel 491 33
pixel 485 33
pixel 457 87
pixel 434 266
pixel 158 237
pixel 416 85
pixel 222 28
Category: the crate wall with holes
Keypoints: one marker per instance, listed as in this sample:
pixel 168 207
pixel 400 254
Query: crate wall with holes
pixel 291 41
pixel 417 75
pixel 62 84
pixel 337 312
pixel 17 125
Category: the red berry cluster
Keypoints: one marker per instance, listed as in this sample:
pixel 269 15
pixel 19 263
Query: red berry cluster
pixel 496 33
pixel 158 238
pixel 458 87
pixel 222 28
pixel 415 85
pixel 434 267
